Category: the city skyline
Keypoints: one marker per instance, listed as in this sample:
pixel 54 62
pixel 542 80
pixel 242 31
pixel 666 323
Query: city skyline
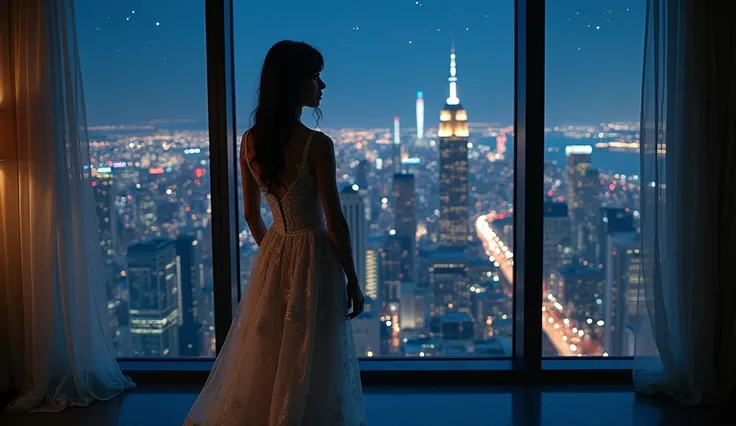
pixel 431 215
pixel 376 61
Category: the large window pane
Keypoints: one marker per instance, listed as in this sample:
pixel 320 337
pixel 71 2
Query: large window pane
pixel 144 71
pixel 425 178
pixel 591 210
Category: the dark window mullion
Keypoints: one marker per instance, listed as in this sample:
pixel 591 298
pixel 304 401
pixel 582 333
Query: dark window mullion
pixel 221 100
pixel 529 70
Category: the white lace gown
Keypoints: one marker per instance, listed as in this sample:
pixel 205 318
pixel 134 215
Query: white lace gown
pixel 289 358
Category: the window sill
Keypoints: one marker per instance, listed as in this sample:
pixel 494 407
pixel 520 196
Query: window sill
pixel 400 372
pixel 588 363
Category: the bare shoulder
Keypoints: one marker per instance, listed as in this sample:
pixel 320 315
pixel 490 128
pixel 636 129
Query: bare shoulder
pixel 246 143
pixel 322 146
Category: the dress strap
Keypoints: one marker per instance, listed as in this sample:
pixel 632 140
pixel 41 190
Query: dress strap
pixel 244 154
pixel 307 144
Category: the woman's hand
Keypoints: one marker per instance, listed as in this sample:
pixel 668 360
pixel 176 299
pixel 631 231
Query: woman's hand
pixel 355 299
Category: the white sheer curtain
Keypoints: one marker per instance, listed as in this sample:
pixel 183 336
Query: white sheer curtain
pixel 55 345
pixel 686 341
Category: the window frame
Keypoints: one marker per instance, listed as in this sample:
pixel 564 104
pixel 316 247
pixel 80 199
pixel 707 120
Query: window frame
pixel 526 364
pixel 223 157
pixel 529 104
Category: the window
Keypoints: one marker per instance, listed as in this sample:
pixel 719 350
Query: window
pixel 591 200
pixel 419 103
pixel 144 69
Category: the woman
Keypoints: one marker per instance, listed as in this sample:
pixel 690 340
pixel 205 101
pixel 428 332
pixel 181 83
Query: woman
pixel 289 357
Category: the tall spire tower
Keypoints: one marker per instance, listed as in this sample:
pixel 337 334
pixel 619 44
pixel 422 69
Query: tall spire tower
pixel 453 99
pixel 453 135
pixel 397 146
pixel 420 115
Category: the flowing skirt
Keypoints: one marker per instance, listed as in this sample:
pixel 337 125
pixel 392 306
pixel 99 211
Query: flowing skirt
pixel 289 357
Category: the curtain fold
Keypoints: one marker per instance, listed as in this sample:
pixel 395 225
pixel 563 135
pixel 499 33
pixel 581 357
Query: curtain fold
pixel 56 334
pixel 686 341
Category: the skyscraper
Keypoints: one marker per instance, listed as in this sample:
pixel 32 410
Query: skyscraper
pixel 107 218
pixel 453 135
pixel 361 174
pixel 372 271
pixel 354 210
pixel 361 179
pixel 501 141
pixel 103 184
pixel 146 213
pixel 153 289
pixel 580 289
pixel 405 200
pixel 448 284
pixel 420 115
pixel 591 203
pixel 188 269
pixel 397 146
pixel 395 268
pixel 582 199
pixel 556 235
pixel 612 219
pixel 622 301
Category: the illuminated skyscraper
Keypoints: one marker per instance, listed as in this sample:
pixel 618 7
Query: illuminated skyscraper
pixel 353 208
pixel 448 283
pixel 397 146
pixel 420 115
pixel 103 184
pixel 582 199
pixel 612 219
pixel 372 271
pixel 588 232
pixel 556 236
pixel 581 289
pixel 395 268
pixel 153 288
pixel 501 141
pixel 453 135
pixel 107 218
pixel 622 300
pixel 146 213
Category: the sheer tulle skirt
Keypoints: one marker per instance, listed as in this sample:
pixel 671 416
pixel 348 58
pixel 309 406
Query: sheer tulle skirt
pixel 289 357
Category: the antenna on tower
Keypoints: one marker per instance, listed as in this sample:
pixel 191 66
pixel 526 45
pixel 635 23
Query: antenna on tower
pixel 452 41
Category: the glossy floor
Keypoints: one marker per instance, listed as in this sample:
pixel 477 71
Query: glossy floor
pixel 501 406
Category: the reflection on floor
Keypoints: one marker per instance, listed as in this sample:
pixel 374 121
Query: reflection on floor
pixel 545 406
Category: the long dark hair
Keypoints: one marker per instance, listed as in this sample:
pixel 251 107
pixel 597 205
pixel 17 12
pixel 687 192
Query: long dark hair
pixel 287 65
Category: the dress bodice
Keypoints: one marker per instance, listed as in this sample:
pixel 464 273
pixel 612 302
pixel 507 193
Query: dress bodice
pixel 300 208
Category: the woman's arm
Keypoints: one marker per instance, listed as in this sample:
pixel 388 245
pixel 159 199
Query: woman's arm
pixel 323 153
pixel 251 196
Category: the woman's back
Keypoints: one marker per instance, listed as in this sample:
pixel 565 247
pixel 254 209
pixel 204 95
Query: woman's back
pixel 289 357
pixel 295 203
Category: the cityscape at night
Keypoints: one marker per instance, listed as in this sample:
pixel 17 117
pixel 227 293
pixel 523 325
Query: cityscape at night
pixel 428 194
pixel 352 213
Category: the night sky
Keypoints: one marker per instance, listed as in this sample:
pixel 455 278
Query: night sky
pixel 145 60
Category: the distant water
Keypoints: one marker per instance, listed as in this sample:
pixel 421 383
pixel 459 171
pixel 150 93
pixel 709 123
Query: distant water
pixel 608 161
